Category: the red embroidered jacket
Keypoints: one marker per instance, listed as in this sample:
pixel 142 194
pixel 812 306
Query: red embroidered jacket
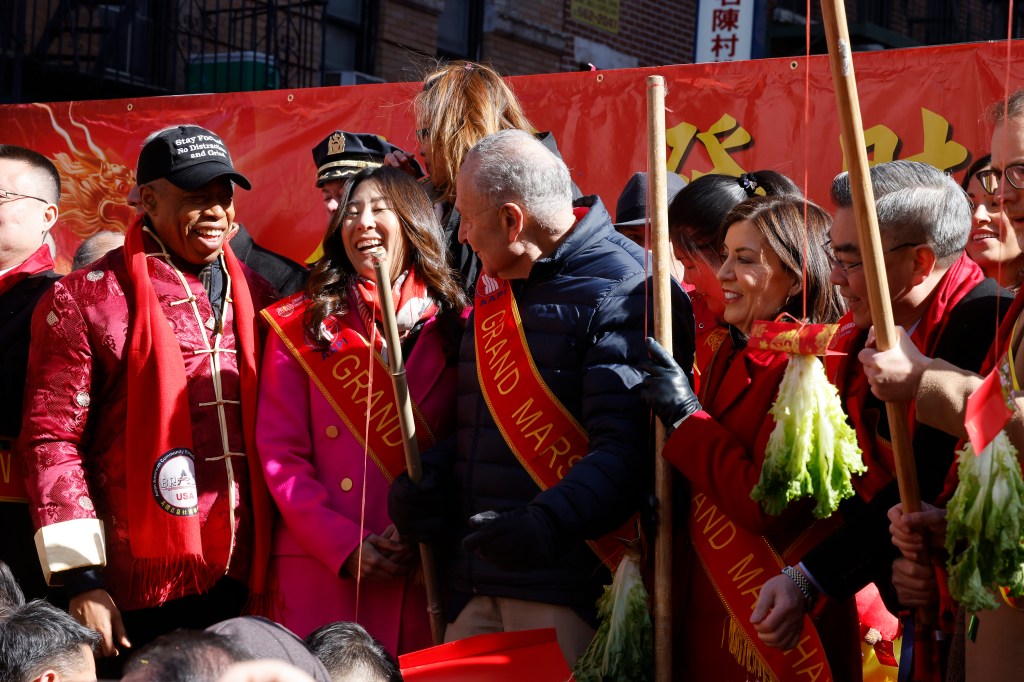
pixel 74 425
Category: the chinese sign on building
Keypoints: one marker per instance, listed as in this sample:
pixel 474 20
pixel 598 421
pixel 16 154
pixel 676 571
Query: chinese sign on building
pixel 724 30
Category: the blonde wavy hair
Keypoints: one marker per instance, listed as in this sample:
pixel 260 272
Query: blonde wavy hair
pixel 460 104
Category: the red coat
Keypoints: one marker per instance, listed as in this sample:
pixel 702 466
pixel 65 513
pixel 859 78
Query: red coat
pixel 331 496
pixel 709 334
pixel 75 411
pixel 720 450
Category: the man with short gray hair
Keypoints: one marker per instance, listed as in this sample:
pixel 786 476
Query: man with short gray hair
pixel 943 297
pixel 551 451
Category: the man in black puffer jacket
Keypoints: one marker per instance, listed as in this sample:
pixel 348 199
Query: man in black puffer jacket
pixel 559 456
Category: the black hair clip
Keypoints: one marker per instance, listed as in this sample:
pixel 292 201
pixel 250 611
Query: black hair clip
pixel 748 183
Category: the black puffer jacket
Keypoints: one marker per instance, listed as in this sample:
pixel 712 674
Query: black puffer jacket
pixel 583 313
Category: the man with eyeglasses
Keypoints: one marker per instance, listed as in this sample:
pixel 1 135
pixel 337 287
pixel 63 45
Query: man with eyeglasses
pixel 29 194
pixel 949 308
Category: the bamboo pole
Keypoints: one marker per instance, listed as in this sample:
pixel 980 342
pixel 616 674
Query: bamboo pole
pixel 657 201
pixel 840 57
pixel 412 452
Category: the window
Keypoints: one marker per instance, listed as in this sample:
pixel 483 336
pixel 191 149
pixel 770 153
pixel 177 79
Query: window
pixel 349 38
pixel 460 30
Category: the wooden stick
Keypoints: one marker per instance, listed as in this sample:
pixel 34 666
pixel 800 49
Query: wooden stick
pixel 840 57
pixel 412 451
pixel 657 200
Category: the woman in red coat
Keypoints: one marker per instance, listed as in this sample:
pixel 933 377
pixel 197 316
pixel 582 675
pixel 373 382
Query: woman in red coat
pixel 695 217
pixel 719 436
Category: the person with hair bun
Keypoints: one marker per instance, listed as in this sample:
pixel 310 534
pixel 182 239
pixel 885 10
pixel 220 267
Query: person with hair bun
pixel 328 465
pixel 695 218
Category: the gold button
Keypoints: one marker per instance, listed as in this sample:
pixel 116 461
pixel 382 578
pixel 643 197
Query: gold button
pixel 332 431
pixel 346 484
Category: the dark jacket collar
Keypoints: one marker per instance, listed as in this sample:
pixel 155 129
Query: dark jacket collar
pixel 588 230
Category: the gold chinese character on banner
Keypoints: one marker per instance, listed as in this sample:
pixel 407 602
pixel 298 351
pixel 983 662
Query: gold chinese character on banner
pixel 939 147
pixel 723 136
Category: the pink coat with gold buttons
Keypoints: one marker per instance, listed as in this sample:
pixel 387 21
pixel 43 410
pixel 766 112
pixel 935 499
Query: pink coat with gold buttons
pixel 318 475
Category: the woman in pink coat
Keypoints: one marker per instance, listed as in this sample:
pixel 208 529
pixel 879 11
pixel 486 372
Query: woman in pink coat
pixel 336 555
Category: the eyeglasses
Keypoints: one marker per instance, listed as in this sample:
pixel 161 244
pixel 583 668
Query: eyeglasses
pixel 422 134
pixel 989 178
pixel 7 195
pixel 834 262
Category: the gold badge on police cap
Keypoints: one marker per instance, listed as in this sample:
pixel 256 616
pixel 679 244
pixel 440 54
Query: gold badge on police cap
pixel 336 145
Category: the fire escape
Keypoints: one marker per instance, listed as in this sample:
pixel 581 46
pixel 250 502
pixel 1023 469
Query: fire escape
pixel 53 50
pixel 883 24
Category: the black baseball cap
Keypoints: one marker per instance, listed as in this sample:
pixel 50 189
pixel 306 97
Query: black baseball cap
pixel 187 156
pixel 342 154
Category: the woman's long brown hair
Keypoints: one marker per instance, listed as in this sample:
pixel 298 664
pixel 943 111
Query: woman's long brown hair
pixel 780 222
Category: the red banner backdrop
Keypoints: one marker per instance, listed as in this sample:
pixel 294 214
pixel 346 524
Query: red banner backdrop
pixel 923 104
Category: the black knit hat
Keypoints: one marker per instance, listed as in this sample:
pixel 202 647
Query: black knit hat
pixel 188 157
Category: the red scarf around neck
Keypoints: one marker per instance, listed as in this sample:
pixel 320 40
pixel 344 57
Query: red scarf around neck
pixel 40 261
pixel 410 296
pixel 168 549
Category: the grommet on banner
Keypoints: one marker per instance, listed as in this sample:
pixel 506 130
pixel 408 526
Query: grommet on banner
pixel 291 97
pixel 792 65
pixel 130 106
pixel 600 77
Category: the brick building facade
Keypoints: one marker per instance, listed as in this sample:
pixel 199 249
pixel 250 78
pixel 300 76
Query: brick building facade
pixel 63 49
pixel 544 36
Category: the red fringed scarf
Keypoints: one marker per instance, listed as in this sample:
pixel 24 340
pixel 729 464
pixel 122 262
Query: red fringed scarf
pixel 168 549
pixel 40 261
pixel 411 299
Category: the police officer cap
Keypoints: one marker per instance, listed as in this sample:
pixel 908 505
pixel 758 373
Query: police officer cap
pixel 342 153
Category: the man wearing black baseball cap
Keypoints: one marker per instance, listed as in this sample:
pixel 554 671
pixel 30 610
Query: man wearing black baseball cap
pixel 189 157
pixel 141 404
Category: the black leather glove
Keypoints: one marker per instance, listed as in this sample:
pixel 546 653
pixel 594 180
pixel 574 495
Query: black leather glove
pixel 419 511
pixel 518 540
pixel 666 388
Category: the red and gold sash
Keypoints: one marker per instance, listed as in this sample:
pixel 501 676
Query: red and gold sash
pixel 545 438
pixel 12 482
pixel 738 563
pixel 351 385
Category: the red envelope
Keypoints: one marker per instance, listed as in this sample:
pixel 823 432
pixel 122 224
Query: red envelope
pixel 501 657
pixel 795 338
